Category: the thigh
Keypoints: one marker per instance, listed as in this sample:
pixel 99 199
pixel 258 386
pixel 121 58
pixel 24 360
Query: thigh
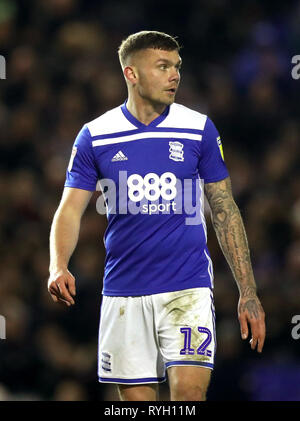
pixel 186 328
pixel 128 351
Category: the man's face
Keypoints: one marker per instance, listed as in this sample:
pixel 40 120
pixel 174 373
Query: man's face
pixel 158 75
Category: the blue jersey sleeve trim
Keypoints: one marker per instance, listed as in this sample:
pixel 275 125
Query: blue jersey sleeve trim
pixel 79 186
pixel 216 179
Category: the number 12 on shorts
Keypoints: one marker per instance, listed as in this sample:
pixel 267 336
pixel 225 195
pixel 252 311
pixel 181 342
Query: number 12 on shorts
pixel 202 349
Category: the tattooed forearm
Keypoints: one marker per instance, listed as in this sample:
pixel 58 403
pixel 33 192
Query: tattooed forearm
pixel 230 231
pixel 248 291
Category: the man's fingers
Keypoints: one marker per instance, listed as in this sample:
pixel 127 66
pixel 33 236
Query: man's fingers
pixel 61 286
pixel 71 286
pixel 61 300
pixel 252 317
pixel 260 344
pixel 258 335
pixel 54 291
pixel 244 327
pixel 254 334
pixel 57 298
pixel 64 293
pixel 261 336
pixel 54 297
pixel 253 342
pixel 59 290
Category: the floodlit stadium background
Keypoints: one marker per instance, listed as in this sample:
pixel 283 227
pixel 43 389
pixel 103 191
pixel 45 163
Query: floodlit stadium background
pixel 63 70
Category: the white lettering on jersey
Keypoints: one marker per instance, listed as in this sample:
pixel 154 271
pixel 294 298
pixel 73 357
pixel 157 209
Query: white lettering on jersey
pixel 140 187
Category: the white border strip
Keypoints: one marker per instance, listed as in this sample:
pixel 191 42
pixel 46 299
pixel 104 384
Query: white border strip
pixel 146 135
pixel 210 269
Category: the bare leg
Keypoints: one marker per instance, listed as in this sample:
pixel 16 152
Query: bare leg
pixel 188 383
pixel 145 392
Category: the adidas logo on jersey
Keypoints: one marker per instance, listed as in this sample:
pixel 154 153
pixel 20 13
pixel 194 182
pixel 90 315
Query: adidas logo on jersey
pixel 119 157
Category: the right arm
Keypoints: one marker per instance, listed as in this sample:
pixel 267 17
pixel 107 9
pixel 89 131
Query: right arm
pixel 63 240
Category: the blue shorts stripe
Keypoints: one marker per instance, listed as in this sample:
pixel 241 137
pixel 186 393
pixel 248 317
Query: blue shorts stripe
pixel 128 381
pixel 200 363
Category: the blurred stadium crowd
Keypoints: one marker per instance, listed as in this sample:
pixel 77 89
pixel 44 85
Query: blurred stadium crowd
pixel 62 71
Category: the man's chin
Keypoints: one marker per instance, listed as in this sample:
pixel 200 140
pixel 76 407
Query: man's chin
pixel 164 102
pixel 171 101
pixel 168 101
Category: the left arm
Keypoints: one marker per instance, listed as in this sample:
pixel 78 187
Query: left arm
pixel 230 231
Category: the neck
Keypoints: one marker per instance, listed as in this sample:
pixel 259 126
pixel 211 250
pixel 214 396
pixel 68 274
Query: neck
pixel 144 111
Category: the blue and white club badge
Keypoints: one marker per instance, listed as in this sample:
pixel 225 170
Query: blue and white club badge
pixel 176 151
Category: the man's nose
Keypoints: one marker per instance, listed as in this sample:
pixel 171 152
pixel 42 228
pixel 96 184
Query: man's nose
pixel 175 75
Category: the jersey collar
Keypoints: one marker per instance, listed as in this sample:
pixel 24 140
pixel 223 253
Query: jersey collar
pixel 140 125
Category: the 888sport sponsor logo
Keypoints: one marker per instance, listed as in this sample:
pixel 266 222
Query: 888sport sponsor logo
pixel 152 188
pixel 151 194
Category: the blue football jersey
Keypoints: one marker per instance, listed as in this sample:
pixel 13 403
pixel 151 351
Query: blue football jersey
pixel 152 179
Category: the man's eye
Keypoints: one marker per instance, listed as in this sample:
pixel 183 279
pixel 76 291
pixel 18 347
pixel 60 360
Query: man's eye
pixel 163 66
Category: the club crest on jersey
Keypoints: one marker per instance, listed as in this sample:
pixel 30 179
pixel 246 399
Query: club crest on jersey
pixel 106 361
pixel 176 151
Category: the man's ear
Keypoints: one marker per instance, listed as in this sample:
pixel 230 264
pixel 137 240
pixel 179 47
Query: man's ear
pixel 130 75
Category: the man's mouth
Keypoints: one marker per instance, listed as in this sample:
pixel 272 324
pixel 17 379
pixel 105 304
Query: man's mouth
pixel 172 91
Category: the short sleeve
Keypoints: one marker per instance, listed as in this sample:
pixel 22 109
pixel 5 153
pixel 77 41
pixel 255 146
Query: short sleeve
pixel 82 172
pixel 211 166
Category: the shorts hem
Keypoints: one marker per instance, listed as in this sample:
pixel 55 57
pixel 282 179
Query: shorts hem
pixel 132 381
pixel 195 363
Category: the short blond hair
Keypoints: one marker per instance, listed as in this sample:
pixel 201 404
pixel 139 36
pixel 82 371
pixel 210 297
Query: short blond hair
pixel 146 39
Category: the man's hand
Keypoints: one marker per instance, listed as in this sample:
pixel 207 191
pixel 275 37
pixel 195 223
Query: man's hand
pixel 61 286
pixel 250 311
pixel 63 240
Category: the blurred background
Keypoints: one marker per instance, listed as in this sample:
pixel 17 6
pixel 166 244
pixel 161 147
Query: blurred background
pixel 62 71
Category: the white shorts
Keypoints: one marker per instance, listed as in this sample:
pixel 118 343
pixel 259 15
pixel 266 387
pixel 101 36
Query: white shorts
pixel 139 337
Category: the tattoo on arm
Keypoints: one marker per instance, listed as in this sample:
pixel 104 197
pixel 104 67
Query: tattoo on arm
pixel 253 307
pixel 230 231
